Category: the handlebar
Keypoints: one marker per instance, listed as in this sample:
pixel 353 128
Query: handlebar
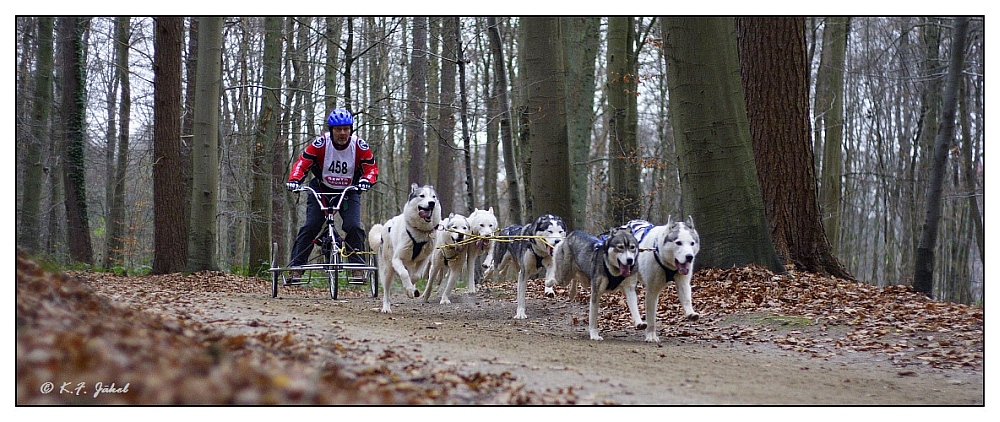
pixel 319 195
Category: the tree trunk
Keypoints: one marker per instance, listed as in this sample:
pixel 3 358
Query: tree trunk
pixel 116 217
pixel 74 107
pixel 205 151
pixel 378 63
pixel 492 160
pixel 776 85
pixel 582 39
pixel 622 90
pixel 506 133
pixel 187 126
pixel 30 227
pixel 718 177
pixel 334 28
pixel 446 157
pixel 924 262
pixel 545 94
pixel 279 169
pixel 470 189
pixel 265 181
pixel 168 195
pixel 415 101
pixel 830 102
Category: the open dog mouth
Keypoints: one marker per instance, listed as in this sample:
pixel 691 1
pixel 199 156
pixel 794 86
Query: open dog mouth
pixel 683 267
pixel 425 213
pixel 625 270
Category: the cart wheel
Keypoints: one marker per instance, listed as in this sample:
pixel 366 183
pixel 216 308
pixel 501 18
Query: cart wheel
pixel 274 274
pixel 372 275
pixel 332 271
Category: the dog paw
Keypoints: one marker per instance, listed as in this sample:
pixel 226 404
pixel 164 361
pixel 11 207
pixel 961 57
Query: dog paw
pixel 416 293
pixel 640 326
pixel 550 292
pixel 652 338
pixel 386 309
pixel 445 301
pixel 520 314
pixel 595 336
pixel 692 317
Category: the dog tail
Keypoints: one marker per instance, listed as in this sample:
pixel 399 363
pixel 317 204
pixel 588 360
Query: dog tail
pixel 375 237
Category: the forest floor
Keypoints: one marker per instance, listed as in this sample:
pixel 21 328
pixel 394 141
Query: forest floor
pixel 216 338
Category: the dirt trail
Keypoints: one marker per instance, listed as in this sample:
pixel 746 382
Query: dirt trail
pixel 551 351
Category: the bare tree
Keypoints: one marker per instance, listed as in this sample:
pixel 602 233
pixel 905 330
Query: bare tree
pixel 29 228
pixel 205 152
pixel 506 133
pixel 264 179
pixel 74 106
pixel 623 149
pixel 116 215
pixel 168 195
pixel 545 112
pixel 416 98
pixel 718 176
pixel 775 81
pixel 924 262
pixel 582 42
pixel 445 135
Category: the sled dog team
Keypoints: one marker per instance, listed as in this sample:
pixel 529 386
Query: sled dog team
pixel 637 252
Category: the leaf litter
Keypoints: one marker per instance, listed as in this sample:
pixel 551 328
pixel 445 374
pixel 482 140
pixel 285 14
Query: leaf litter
pixel 88 326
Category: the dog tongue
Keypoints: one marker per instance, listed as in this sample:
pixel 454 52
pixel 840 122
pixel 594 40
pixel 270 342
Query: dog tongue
pixel 683 268
pixel 425 214
pixel 625 270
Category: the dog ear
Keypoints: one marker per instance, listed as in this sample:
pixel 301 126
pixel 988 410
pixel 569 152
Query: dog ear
pixel 690 222
pixel 414 187
pixel 670 220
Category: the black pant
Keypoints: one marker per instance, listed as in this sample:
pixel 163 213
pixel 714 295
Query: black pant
pixel 350 213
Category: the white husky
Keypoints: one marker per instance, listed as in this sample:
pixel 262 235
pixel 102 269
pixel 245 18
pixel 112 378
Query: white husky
pixel 669 255
pixel 405 241
pixel 449 255
pixel 482 223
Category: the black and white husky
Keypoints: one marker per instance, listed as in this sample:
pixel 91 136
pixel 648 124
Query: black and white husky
pixel 449 255
pixel 669 252
pixel 528 255
pixel 606 264
pixel 405 241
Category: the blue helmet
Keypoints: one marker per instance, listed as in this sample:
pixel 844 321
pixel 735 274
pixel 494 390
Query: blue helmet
pixel 340 117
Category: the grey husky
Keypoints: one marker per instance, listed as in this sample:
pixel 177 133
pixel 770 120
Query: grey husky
pixel 405 241
pixel 527 255
pixel 607 264
pixel 672 248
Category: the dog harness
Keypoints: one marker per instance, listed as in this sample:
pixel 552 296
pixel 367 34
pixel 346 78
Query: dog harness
pixel 613 281
pixel 417 246
pixel 656 254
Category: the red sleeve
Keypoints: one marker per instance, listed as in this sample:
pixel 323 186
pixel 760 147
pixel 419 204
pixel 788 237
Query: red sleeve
pixel 366 160
pixel 307 159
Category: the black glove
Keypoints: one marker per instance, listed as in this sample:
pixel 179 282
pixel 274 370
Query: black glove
pixel 364 185
pixel 292 185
